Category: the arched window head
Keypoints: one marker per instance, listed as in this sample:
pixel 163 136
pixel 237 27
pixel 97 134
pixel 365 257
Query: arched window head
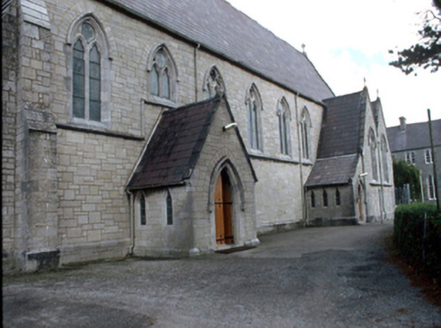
pixel 89 71
pixel 305 125
pixel 162 74
pixel 384 157
pixel 213 83
pixel 254 107
pixel 284 115
pixel 374 158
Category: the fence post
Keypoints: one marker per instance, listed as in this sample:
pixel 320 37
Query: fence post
pixel 424 236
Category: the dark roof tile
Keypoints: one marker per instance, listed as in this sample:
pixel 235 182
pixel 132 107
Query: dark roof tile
pixel 332 171
pixel 415 136
pixel 175 146
pixel 340 134
pixel 218 26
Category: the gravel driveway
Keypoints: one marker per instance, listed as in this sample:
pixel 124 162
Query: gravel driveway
pixel 314 277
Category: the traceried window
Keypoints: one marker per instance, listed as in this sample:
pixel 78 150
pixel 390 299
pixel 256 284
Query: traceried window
pixel 384 158
pixel 142 210
pixel 284 117
pixel 254 107
pixel 213 83
pixel 305 124
pixel 169 208
pixel 410 157
pixel 431 187
pixel 374 158
pixel 428 156
pixel 89 55
pixel 325 198
pixel 337 197
pixel 162 74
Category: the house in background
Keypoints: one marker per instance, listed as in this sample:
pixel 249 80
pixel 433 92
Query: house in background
pixel 166 127
pixel 411 142
pixel 352 178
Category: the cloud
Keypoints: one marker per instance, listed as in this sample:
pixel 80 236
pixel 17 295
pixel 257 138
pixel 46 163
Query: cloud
pixel 349 40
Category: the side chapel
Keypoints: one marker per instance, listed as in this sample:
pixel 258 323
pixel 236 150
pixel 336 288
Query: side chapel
pixel 171 128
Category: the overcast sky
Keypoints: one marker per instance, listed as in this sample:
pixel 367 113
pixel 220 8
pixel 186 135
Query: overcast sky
pixel 349 41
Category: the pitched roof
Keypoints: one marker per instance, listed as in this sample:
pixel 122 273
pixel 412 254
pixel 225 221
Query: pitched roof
pixel 415 136
pixel 333 171
pixel 219 27
pixel 340 134
pixel 175 146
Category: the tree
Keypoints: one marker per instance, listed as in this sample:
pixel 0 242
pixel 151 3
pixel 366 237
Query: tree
pixel 405 173
pixel 426 53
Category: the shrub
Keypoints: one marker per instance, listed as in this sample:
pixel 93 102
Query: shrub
pixel 420 244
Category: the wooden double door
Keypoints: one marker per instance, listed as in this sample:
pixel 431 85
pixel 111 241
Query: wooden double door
pixel 223 210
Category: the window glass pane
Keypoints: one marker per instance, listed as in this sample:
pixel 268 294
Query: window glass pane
pixel 94 111
pixel 78 49
pixel 94 70
pixel 142 210
pixel 250 124
pixel 169 210
pixel 256 127
pixel 94 55
pixel 78 85
pixel 94 88
pixel 165 90
pixel 78 107
pixel 88 32
pixel 160 59
pixel 154 88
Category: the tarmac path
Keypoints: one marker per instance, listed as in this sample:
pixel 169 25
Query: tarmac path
pixel 313 277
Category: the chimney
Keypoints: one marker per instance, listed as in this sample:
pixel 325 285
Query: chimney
pixel 402 123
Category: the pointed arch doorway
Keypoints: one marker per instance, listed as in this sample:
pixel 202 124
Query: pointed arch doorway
pixel 223 202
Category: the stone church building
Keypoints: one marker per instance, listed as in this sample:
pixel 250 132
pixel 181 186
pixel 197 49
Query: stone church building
pixel 171 128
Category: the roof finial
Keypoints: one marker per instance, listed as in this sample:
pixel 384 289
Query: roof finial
pixel 303 49
pixel 378 93
pixel 364 81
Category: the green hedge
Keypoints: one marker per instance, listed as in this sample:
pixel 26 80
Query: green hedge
pixel 424 251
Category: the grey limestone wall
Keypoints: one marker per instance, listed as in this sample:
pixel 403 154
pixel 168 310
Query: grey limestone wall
pixel 92 161
pixel 332 211
pixel 380 202
pixel 9 132
pixel 157 237
pixel 223 149
pixel 92 172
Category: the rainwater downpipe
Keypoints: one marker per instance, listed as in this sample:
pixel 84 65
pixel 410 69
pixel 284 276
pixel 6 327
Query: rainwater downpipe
pixel 381 181
pixel 302 193
pixel 132 222
pixel 196 71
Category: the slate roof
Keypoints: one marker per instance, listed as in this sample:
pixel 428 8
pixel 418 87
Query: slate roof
pixel 415 136
pixel 175 146
pixel 340 134
pixel 219 27
pixel 340 138
pixel 333 171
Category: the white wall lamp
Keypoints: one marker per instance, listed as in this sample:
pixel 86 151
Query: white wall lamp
pixel 229 126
